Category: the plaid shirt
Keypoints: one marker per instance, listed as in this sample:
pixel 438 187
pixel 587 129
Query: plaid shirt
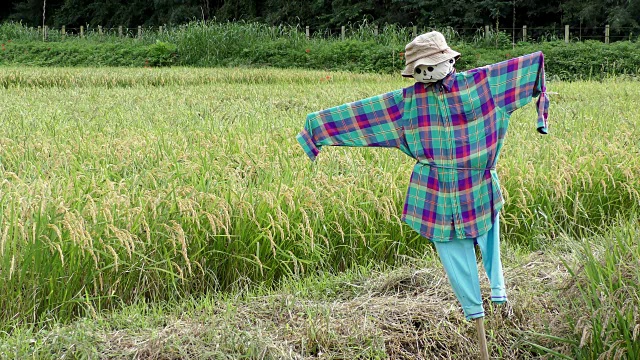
pixel 454 129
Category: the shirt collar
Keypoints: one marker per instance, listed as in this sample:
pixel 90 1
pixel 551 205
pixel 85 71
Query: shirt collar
pixel 448 80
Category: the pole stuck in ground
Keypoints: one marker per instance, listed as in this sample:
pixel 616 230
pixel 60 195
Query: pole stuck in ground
pixel 482 339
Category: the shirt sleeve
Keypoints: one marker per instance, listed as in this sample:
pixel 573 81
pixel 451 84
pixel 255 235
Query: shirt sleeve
pixel 374 121
pixel 514 83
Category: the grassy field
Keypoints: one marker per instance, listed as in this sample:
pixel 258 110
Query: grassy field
pixel 180 198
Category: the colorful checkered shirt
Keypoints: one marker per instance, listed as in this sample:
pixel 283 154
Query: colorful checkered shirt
pixel 454 128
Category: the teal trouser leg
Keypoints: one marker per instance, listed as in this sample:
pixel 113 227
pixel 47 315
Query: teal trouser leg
pixel 489 244
pixel 459 260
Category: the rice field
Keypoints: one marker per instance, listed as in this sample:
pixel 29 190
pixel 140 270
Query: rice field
pixel 127 185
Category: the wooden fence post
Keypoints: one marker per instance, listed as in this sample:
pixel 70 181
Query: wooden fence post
pixel 120 30
pixel 524 32
pixel 100 29
pixel 139 32
pixel 81 31
pixel 342 32
pixel 306 31
pixel 415 31
pixel 63 31
pixel 566 34
pixel 375 30
pixel 160 30
pixel 606 34
pixel 486 31
pixel 45 33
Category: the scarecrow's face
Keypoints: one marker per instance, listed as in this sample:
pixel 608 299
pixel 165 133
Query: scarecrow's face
pixel 433 73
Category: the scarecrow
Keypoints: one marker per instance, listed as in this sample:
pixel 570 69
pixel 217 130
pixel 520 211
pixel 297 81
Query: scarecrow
pixel 453 124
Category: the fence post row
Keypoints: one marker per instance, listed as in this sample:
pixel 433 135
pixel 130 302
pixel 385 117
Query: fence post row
pixel 44 30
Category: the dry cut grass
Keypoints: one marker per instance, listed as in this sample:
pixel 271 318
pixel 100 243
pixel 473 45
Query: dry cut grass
pixel 406 313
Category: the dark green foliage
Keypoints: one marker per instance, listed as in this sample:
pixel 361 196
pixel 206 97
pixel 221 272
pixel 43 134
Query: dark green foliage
pixel 83 53
pixel 591 15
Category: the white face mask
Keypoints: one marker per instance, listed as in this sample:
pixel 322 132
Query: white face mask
pixel 432 73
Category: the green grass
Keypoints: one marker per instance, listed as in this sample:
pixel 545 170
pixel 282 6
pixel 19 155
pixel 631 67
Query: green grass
pixel 158 185
pixel 212 44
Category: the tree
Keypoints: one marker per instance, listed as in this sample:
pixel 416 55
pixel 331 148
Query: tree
pixel 29 12
pixel 622 15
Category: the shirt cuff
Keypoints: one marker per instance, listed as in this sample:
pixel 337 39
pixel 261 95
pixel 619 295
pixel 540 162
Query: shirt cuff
pixel 304 139
pixel 543 113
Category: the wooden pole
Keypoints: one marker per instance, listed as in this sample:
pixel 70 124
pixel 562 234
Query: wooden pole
pixel 81 31
pixel 342 33
pixel 375 30
pixel 513 25
pixel 306 31
pixel 63 31
pixel 100 29
pixel 45 33
pixel 524 32
pixel 606 34
pixel 486 31
pixel 140 32
pixel 566 34
pixel 415 31
pixel 120 30
pixel 482 339
pixel 160 30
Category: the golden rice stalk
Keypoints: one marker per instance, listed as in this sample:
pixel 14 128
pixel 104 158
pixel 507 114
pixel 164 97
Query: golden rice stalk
pixel 179 269
pixel 115 256
pixel 3 239
pixel 183 242
pixel 12 267
pixel 307 226
pixel 123 238
pixel 271 238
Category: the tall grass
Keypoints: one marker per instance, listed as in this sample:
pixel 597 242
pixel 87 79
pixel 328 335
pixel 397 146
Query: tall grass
pixel 162 183
pixel 213 44
pixel 226 32
pixel 603 296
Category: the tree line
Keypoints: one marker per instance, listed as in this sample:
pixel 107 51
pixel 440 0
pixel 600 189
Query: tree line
pixel 621 15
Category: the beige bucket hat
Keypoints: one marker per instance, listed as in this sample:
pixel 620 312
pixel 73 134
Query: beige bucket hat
pixel 427 49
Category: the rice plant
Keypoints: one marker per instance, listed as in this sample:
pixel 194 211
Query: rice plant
pixel 158 184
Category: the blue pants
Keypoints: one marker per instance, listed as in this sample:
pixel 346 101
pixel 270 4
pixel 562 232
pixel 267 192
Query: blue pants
pixel 459 260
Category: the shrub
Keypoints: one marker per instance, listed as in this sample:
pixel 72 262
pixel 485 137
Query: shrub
pixel 250 44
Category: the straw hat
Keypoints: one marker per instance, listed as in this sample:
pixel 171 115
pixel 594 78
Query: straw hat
pixel 427 49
